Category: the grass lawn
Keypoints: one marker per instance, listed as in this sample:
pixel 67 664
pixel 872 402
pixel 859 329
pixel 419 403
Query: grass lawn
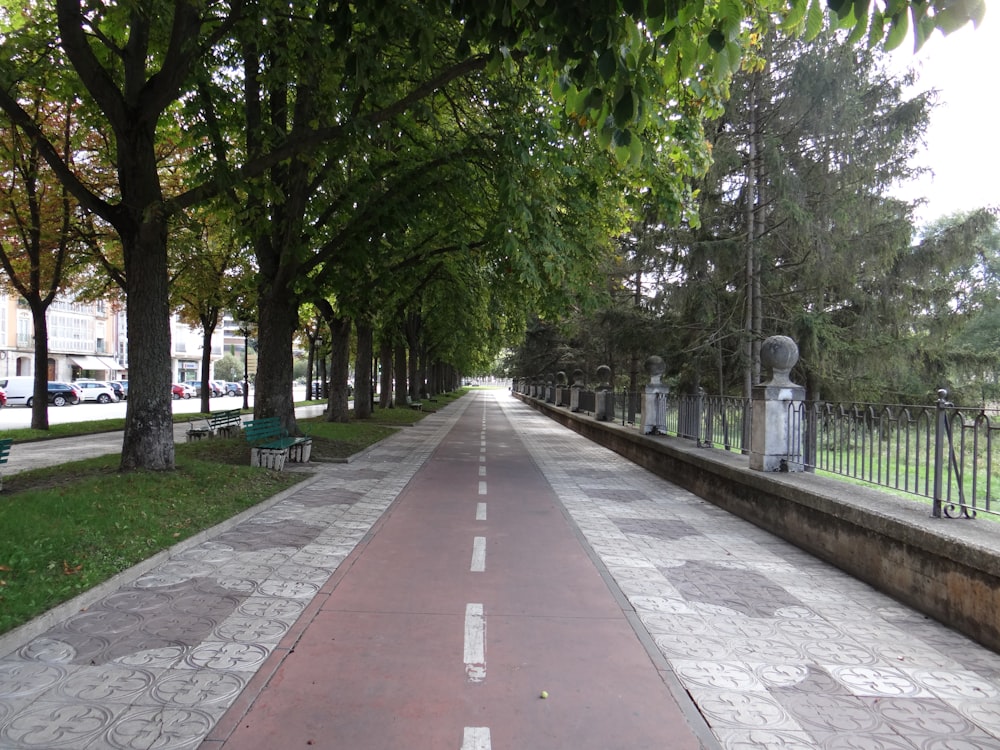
pixel 63 532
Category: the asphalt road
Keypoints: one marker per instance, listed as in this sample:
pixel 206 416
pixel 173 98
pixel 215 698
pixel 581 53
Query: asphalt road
pixel 15 417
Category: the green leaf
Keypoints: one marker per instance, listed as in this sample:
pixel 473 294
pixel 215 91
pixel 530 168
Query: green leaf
pixel 795 14
pixel 604 136
pixel 814 20
pixel 717 40
pixel 897 31
pixel 955 17
pixel 635 152
pixel 622 137
pixel 837 6
pixel 625 107
pixel 607 64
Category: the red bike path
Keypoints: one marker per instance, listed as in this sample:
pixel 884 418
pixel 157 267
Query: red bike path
pixel 472 595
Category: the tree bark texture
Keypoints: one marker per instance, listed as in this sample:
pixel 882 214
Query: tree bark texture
pixel 279 316
pixel 363 370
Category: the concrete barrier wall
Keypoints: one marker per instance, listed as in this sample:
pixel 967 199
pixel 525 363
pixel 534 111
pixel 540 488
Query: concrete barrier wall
pixel 949 569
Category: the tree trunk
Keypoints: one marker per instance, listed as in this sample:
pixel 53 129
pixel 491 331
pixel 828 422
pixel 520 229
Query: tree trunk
pixel 412 331
pixel 754 181
pixel 322 376
pixel 206 366
pixel 399 370
pixel 363 370
pixel 385 385
pixel 40 399
pixel 310 364
pixel 149 419
pixel 340 369
pixel 279 315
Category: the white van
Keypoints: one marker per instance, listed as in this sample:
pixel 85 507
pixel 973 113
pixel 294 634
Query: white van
pixel 18 389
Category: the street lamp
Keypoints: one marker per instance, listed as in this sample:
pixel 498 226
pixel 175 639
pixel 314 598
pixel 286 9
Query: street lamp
pixel 246 374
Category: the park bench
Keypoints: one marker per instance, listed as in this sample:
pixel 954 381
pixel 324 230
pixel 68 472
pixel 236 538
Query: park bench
pixel 271 445
pixel 226 423
pixel 415 405
pixel 5 445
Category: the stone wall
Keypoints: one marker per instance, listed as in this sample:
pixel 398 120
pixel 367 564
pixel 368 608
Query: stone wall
pixel 949 569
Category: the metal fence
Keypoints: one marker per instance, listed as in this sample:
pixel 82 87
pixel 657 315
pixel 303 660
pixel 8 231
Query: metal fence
pixel 942 452
pixel 947 453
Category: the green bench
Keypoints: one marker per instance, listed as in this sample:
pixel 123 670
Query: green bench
pixel 5 445
pixel 271 445
pixel 224 423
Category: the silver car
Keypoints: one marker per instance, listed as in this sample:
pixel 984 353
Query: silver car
pixel 96 390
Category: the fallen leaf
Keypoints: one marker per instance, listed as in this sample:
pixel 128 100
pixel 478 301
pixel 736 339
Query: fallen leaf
pixel 70 570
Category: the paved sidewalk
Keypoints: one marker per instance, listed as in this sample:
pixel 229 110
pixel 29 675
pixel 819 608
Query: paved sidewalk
pixel 776 649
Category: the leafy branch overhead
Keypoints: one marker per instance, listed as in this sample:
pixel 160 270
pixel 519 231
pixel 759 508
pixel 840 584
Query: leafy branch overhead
pixel 284 109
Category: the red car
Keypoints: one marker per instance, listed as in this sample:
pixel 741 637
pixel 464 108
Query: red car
pixel 178 390
pixel 3 397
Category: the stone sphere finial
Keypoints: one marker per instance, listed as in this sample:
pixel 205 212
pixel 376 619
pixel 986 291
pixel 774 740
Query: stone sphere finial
pixel 655 366
pixel 561 377
pixel 779 354
pixel 578 377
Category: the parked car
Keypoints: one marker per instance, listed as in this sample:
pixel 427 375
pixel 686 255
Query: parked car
pixel 182 390
pixel 20 389
pixel 234 389
pixel 223 387
pixel 61 394
pixel 96 390
pixel 214 390
pixel 124 385
pixel 317 390
pixel 119 389
pixel 3 397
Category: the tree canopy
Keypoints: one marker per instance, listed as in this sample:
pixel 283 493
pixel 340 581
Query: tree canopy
pixel 332 88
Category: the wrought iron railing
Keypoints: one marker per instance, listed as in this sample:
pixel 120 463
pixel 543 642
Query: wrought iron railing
pixel 947 454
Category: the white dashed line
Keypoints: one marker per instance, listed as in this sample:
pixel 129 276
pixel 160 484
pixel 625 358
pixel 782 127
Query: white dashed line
pixel 476 738
pixel 482 488
pixel 475 643
pixel 481 511
pixel 482 471
pixel 478 554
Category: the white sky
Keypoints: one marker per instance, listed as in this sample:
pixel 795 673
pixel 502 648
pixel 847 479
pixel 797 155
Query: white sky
pixel 961 146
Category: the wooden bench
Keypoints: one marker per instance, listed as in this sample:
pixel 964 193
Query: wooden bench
pixel 415 405
pixel 5 445
pixel 271 445
pixel 224 423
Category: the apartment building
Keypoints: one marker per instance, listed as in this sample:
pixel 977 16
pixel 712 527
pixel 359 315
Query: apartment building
pixel 89 340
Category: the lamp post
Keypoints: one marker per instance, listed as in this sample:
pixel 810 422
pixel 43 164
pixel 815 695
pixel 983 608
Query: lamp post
pixel 317 393
pixel 246 375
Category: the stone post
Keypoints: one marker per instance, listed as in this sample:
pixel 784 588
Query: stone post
pixel 654 405
pixel 776 422
pixel 574 391
pixel 562 389
pixel 604 398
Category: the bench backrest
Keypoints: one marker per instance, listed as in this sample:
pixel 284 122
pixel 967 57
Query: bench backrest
pixel 5 445
pixel 225 417
pixel 263 429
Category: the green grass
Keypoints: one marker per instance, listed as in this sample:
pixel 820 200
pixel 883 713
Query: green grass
pixel 65 531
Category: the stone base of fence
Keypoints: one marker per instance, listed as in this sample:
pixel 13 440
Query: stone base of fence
pixel 947 569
